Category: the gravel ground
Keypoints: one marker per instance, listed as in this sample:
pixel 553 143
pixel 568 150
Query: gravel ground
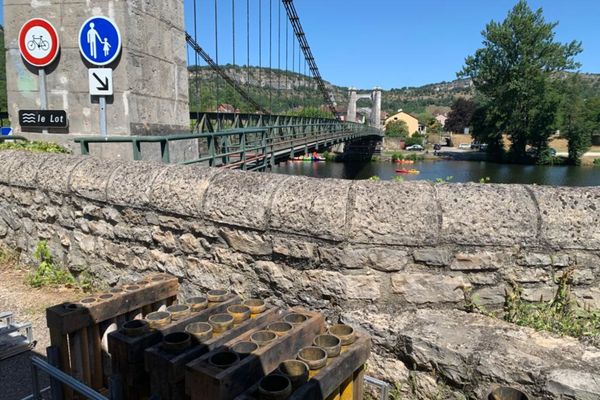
pixel 28 305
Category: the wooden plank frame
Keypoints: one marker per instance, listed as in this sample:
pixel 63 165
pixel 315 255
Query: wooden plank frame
pixel 206 382
pixel 167 369
pixel 342 375
pixel 127 352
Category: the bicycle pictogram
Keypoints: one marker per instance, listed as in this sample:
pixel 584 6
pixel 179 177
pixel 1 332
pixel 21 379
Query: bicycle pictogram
pixel 39 42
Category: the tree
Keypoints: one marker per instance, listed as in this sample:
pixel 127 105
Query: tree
pixel 397 128
pixel 515 73
pixel 576 123
pixel 460 115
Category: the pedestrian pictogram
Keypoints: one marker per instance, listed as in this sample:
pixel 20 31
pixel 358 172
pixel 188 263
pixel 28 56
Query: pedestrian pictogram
pixel 99 40
pixel 38 42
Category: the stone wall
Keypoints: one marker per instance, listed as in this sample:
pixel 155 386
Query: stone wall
pixel 150 75
pixel 342 247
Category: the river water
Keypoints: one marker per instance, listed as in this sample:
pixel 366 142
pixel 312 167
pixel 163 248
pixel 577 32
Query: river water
pixel 460 171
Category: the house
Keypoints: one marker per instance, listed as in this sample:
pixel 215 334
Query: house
pixel 441 118
pixel 411 121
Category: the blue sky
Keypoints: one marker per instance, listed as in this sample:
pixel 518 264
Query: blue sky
pixel 387 43
pixel 392 43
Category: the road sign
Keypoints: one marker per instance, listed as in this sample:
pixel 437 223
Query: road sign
pixel 99 40
pixel 101 83
pixel 38 42
pixel 43 119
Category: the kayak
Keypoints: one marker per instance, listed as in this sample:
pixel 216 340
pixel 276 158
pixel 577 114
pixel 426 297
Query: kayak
pixel 408 171
pixel 308 159
pixel 405 161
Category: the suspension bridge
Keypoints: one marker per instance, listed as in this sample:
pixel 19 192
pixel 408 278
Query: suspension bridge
pixel 272 105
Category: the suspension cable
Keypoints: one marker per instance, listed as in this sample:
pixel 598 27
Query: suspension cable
pixel 196 80
pixel 259 44
pixel 279 56
pixel 248 46
pixel 222 73
pixel 233 28
pixel 295 21
pixel 217 50
pixel 271 56
pixel 286 62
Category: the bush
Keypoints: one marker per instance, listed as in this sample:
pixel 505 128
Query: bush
pixel 415 139
pixel 597 162
pixel 396 129
pixel 397 157
pixel 47 272
pixel 37 146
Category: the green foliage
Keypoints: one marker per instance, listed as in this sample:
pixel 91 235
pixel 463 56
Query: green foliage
pixel 48 272
pixel 596 162
pixel 575 122
pixel 375 158
pixel 396 129
pixel 415 139
pixel 398 179
pixel 375 178
pixel 312 112
pixel 36 146
pixel 397 157
pixel 515 75
pixel 485 180
pixel 460 115
pixel 444 180
pixel 561 314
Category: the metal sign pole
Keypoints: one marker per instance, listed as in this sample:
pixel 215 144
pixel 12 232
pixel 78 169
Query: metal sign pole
pixel 43 96
pixel 103 116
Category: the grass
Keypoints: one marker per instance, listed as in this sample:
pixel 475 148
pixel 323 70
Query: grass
pixel 36 146
pixel 596 162
pixel 561 314
pixel 48 273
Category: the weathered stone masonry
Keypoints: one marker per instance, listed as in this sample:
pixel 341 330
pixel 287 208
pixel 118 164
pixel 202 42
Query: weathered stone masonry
pixel 343 247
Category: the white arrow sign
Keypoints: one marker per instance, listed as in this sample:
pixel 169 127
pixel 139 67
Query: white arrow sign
pixel 101 83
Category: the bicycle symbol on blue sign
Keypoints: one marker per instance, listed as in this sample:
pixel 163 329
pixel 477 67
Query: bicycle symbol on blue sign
pixel 99 40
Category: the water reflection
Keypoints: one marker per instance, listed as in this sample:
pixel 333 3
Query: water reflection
pixel 461 171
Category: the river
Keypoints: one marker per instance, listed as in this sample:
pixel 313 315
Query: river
pixel 460 171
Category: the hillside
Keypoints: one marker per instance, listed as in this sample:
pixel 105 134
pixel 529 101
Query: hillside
pixel 286 90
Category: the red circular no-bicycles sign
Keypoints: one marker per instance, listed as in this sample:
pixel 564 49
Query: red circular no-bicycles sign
pixel 38 42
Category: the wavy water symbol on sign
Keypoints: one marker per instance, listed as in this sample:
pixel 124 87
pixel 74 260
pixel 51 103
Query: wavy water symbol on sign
pixel 28 117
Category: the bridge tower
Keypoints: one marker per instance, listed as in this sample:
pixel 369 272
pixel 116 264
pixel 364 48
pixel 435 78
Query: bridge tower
pixel 375 97
pixel 150 75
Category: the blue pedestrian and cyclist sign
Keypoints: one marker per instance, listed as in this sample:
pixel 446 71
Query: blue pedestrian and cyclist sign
pixel 99 40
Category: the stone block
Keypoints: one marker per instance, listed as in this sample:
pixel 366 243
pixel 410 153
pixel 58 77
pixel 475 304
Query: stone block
pixel 379 258
pixel 249 242
pixel 572 384
pixel 328 284
pixel 570 216
pixel 295 248
pixel 131 183
pixel 422 288
pixel 55 172
pixel 23 167
pixel 490 296
pixel 433 256
pixel 311 207
pixel 181 189
pixel 542 260
pixel 90 178
pixel 535 294
pixel 393 213
pixel 241 198
pixel 481 261
pixel 474 214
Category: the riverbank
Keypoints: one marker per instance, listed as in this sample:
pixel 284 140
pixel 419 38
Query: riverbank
pixel 435 168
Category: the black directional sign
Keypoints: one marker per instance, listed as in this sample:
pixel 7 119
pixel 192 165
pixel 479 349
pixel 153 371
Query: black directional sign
pixel 43 119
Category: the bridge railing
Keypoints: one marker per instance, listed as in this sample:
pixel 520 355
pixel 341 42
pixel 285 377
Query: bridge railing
pixel 247 148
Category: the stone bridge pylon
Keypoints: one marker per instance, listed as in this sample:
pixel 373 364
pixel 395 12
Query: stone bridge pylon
pixel 374 96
